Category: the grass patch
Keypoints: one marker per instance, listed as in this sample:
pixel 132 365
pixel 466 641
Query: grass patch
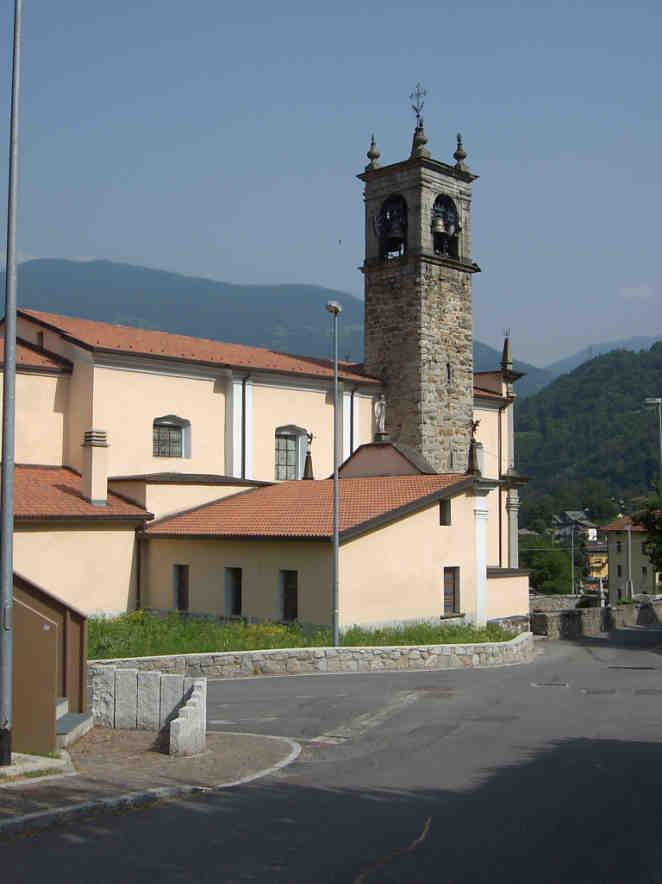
pixel 143 635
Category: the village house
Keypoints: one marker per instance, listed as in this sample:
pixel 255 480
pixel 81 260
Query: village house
pixel 629 561
pixel 162 471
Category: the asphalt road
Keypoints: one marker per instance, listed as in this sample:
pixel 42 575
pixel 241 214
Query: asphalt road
pixel 550 772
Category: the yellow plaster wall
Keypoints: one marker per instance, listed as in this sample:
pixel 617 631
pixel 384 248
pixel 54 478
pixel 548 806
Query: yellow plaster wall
pixel 507 597
pixel 41 407
pixel 162 500
pixel 126 404
pixel 260 561
pixel 366 421
pixel 92 567
pixel 397 572
pixel 79 413
pixel 275 407
pixel 488 435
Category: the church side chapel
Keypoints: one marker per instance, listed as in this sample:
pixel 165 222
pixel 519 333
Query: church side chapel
pixel 176 473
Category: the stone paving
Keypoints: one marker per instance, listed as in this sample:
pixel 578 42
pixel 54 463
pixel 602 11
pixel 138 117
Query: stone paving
pixel 111 763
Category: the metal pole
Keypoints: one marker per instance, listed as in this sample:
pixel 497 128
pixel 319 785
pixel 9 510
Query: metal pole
pixel 628 590
pixel 659 426
pixel 335 309
pixel 572 559
pixel 8 400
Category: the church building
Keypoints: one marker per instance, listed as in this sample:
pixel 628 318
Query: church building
pixel 167 472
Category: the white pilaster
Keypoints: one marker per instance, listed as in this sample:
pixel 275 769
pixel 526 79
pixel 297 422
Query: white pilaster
pixel 356 441
pixel 480 552
pixel 233 427
pixel 346 425
pixel 248 429
pixel 512 508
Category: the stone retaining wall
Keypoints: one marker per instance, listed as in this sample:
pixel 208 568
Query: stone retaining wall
pixel 571 624
pixel 189 728
pixel 552 602
pixel 295 661
pixel 133 698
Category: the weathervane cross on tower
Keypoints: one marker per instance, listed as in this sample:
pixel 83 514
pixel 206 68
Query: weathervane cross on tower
pixel 418 103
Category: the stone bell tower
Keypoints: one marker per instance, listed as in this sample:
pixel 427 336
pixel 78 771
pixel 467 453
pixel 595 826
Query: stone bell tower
pixel 418 321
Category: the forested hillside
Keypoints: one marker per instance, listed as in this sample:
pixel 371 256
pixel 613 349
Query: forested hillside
pixel 290 318
pixel 588 440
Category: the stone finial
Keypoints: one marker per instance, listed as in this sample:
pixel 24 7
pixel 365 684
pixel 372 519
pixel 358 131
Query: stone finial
pixel 506 355
pixel 418 148
pixel 373 155
pixel 460 154
pixel 308 466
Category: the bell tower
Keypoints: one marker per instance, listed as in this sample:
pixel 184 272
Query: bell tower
pixel 418 319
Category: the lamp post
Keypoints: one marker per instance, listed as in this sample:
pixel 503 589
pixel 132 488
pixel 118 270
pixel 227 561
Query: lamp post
pixel 8 401
pixel 335 310
pixel 655 400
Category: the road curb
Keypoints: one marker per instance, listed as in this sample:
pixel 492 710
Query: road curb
pixel 45 819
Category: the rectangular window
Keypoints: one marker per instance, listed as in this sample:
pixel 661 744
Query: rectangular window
pixel 167 441
pixel 233 592
pixel 444 512
pixel 286 457
pixel 644 571
pixel 451 590
pixel 180 577
pixel 619 546
pixel 619 570
pixel 289 584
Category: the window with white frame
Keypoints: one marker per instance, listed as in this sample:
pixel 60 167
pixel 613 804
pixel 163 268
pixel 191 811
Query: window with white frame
pixel 171 437
pixel 291 444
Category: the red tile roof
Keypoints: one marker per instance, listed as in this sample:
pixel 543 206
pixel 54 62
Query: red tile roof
pixel 30 357
pixel 104 336
pixel 621 523
pixel 142 342
pixel 55 493
pixel 304 508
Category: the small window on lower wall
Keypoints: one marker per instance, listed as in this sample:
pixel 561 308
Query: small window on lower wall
pixel 233 592
pixel 444 512
pixel 181 587
pixel 451 591
pixel 289 595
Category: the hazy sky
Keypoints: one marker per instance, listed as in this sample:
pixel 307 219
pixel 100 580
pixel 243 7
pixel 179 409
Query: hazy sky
pixel 223 139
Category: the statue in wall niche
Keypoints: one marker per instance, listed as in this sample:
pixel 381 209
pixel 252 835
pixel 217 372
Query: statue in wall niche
pixel 380 414
pixel 474 429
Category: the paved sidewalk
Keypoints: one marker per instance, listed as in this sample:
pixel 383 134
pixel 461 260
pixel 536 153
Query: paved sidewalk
pixel 113 764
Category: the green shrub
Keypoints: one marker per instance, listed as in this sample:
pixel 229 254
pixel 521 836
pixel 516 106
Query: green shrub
pixel 140 634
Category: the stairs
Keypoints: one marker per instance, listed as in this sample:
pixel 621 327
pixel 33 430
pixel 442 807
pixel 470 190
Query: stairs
pixel 70 726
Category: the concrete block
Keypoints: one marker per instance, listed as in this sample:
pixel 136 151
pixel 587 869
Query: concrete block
pixel 103 696
pixel 126 698
pixel 149 701
pixel 172 693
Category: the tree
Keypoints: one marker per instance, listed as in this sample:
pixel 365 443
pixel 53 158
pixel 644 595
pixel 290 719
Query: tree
pixel 650 518
pixel 549 564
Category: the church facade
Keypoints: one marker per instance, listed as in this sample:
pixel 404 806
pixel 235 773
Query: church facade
pixel 167 472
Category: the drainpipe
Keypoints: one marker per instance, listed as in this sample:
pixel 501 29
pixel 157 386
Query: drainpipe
pixel 351 421
pixel 502 408
pixel 138 567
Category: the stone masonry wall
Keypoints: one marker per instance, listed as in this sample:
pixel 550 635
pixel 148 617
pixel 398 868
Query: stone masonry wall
pixel 571 624
pixel 295 661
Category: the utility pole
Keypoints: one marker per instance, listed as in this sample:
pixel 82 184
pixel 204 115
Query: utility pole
pixel 335 310
pixel 8 402
pixel 652 400
pixel 572 559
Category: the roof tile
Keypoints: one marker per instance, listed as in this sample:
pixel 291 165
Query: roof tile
pixel 56 492
pixel 302 508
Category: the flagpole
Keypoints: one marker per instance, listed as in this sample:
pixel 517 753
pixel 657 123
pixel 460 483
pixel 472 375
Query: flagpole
pixel 8 414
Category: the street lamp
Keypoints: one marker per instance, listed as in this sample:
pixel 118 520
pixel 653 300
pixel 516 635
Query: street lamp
pixel 653 400
pixel 8 401
pixel 335 310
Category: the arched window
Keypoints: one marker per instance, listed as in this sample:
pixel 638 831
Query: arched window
pixel 393 228
pixel 171 437
pixel 445 227
pixel 290 456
